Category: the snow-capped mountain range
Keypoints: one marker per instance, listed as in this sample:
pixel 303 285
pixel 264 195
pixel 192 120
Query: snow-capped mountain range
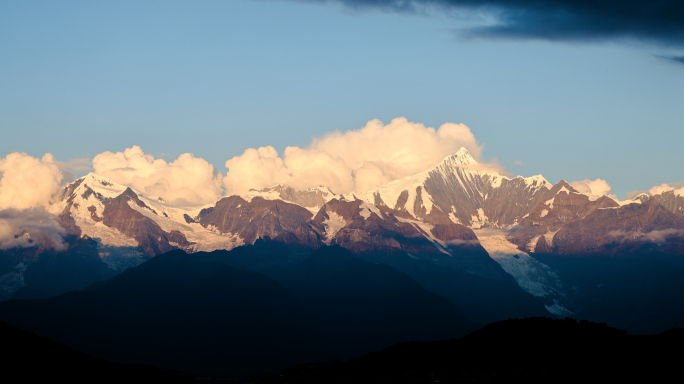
pixel 455 193
pixel 458 207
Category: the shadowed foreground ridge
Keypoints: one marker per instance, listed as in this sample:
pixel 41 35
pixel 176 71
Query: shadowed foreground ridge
pixel 35 357
pixel 533 349
pixel 199 314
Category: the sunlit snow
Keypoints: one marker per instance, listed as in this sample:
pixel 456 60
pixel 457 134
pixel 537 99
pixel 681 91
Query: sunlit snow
pixel 332 225
pixel 531 275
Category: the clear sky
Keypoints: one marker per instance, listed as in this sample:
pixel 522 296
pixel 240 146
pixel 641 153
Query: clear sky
pixel 214 78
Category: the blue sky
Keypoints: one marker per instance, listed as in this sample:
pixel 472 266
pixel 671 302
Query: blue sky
pixel 213 78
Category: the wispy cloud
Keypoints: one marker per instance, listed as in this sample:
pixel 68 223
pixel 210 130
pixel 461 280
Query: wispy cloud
pixel 658 236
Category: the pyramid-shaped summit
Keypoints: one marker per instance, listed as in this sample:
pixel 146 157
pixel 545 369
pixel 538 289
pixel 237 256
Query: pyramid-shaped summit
pixel 459 159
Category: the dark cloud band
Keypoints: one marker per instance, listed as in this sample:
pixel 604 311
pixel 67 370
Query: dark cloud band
pixel 656 21
pixel 676 59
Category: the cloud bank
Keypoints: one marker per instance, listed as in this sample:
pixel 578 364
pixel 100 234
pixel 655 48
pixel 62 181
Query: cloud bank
pixel 355 160
pixel 187 181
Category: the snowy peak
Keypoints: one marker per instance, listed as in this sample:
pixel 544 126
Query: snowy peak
pixel 672 200
pixel 462 158
pixel 100 185
pixel 464 192
pixel 537 182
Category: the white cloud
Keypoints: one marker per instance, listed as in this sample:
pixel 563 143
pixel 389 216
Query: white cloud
pixel 28 182
pixel 186 181
pixel 299 168
pixel 594 189
pixel 355 160
pixel 401 146
pixel 658 189
pixel 28 186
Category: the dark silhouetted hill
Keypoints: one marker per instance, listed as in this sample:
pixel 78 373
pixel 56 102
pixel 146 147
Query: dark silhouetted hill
pixel 199 315
pixel 529 350
pixel 32 358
